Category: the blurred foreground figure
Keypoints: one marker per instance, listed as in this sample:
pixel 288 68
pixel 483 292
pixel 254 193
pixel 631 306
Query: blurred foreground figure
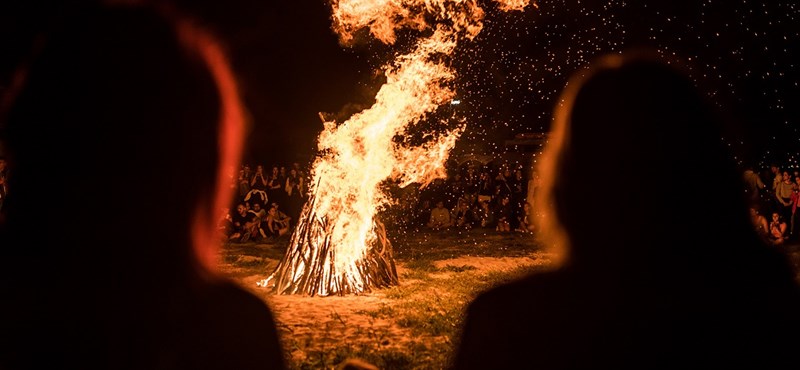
pixel 116 135
pixel 661 267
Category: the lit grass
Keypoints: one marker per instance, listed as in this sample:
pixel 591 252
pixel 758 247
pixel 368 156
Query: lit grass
pixel 429 304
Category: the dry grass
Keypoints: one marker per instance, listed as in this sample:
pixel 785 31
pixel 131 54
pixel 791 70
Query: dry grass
pixel 414 325
pixel 411 326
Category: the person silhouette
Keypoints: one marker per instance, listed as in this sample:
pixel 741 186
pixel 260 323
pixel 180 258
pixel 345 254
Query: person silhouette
pixel 117 134
pixel 659 266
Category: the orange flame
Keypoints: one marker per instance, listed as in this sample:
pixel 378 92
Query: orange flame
pixel 359 154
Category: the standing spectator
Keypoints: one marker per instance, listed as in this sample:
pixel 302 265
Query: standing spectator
pixel 299 170
pixel 259 180
pixel 519 193
pixel 759 223
pixel 753 185
pixel 295 194
pixel 422 213
pixel 275 185
pixel 471 186
pixel 455 189
pixel 486 188
pixel 502 184
pixel 783 194
pixel 243 184
pixel 794 228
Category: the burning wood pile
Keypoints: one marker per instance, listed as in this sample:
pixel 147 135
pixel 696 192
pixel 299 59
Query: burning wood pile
pixel 338 246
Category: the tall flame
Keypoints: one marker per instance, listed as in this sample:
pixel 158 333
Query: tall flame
pixel 361 153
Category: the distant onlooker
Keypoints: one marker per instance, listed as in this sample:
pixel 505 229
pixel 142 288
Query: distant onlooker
pixel 277 222
pixel 422 213
pixel 503 215
pixel 783 194
pixel 526 224
pixel 484 215
pixel 244 224
pixel 256 196
pixel 778 231
pixel 295 193
pixel 794 225
pixel 275 191
pixel 486 187
pixel 259 180
pixel 440 217
pixel 462 215
pixel 759 223
pixel 753 184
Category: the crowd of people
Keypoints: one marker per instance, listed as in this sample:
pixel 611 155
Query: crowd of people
pixel 475 197
pixel 773 208
pixel 266 205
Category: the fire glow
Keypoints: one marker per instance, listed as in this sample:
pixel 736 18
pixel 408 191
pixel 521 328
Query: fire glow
pixel 338 246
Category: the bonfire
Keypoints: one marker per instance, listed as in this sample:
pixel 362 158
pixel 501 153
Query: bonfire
pixel 339 246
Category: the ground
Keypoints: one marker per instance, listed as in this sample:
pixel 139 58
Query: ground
pixel 412 326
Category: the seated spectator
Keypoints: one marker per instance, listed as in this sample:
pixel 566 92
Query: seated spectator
pixel 462 215
pixel 261 215
pixel 277 222
pixel 440 217
pixel 422 214
pixel 244 224
pixel 778 231
pixel 526 224
pixel 503 215
pixel 256 196
pixel 484 215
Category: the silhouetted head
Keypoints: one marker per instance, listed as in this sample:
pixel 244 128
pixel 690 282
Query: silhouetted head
pixel 126 105
pixel 635 156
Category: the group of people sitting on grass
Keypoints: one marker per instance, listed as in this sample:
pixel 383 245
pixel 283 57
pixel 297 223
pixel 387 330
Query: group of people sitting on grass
pixel 264 204
pixel 256 223
pixel 500 216
pixel 470 199
pixel 773 210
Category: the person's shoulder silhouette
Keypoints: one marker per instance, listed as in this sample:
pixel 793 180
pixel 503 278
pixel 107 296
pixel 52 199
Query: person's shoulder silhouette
pixel 117 131
pixel 660 267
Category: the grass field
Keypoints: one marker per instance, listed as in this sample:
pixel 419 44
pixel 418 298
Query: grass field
pixel 414 325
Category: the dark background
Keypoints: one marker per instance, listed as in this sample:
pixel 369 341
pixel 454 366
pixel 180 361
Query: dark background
pixel 291 66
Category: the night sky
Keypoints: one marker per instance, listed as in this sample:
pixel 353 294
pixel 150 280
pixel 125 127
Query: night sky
pixel 291 65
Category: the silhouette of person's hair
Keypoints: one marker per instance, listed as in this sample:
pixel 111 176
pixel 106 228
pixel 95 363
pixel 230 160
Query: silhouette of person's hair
pixel 117 134
pixel 661 267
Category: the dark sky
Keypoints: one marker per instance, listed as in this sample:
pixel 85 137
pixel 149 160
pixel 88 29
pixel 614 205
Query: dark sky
pixel 291 66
